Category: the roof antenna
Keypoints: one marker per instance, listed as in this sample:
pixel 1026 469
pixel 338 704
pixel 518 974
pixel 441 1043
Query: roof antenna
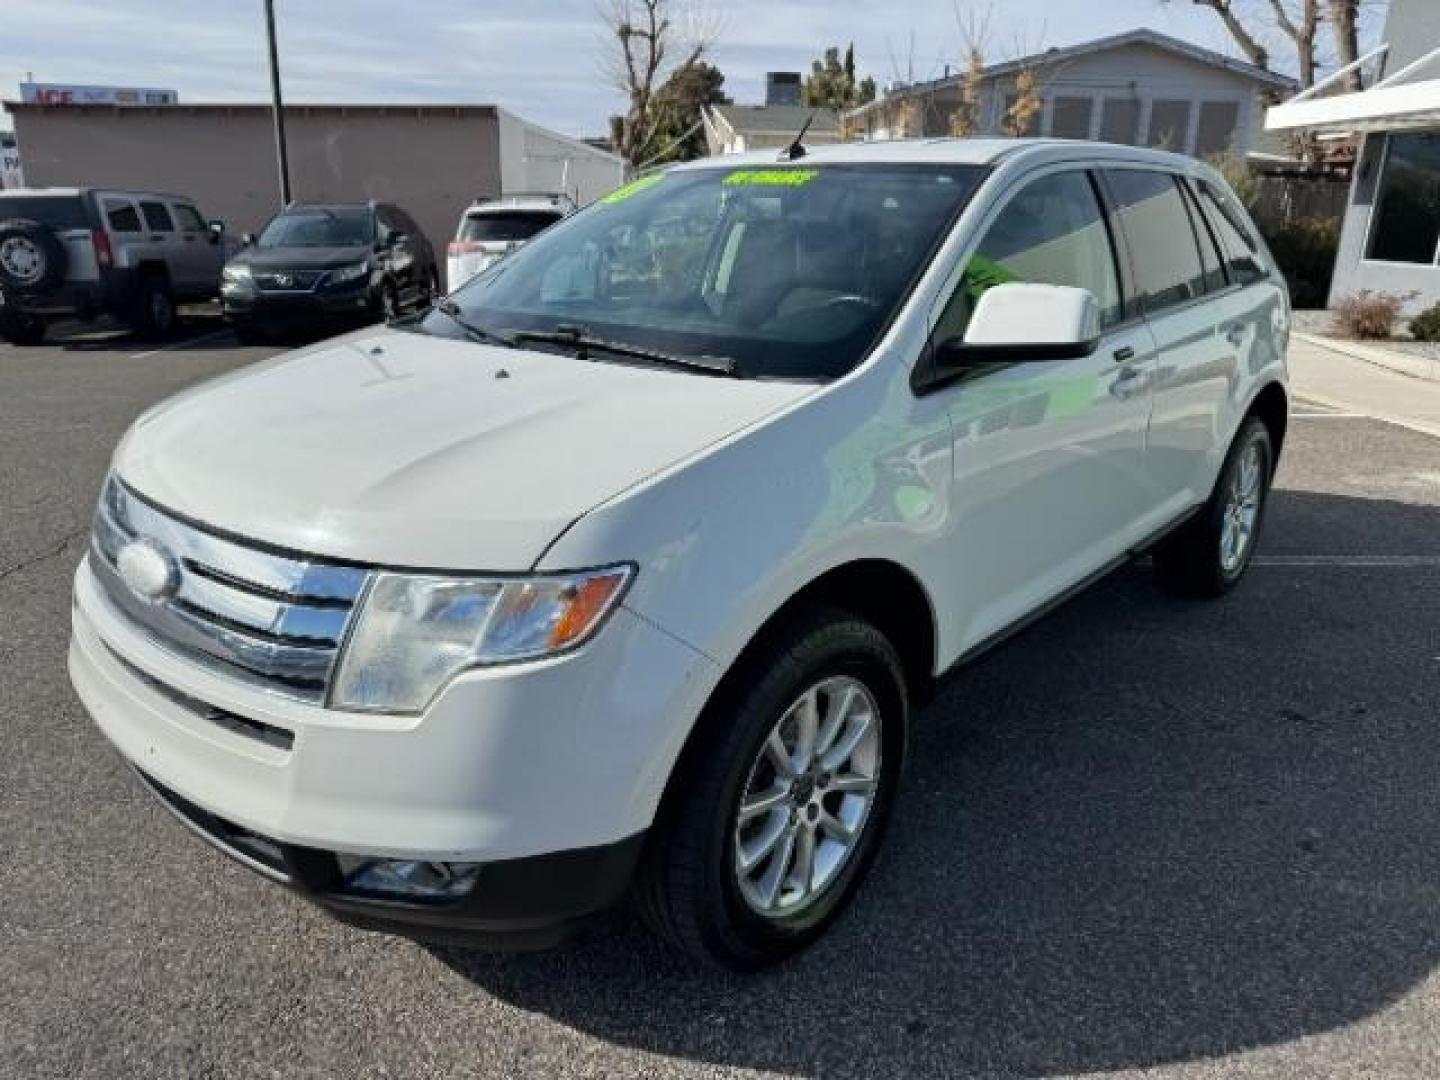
pixel 796 150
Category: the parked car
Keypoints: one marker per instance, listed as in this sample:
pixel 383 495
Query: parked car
pixel 85 253
pixel 595 580
pixel 492 228
pixel 325 264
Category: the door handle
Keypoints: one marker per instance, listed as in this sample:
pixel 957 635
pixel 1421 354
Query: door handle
pixel 1125 354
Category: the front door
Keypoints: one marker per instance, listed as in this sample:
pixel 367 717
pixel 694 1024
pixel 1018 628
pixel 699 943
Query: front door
pixel 1049 469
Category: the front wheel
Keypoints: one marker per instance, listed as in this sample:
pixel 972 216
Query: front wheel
pixel 21 329
pixel 1209 555
pixel 780 802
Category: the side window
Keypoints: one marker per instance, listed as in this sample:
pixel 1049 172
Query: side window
pixel 1210 253
pixel 1051 233
pixel 157 217
pixel 1163 251
pixel 384 227
pixel 123 217
pixel 190 219
pixel 1242 252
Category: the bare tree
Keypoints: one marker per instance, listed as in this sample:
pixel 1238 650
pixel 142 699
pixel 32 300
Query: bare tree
pixel 1345 24
pixel 1303 28
pixel 652 39
pixel 974 29
pixel 1244 37
pixel 1023 114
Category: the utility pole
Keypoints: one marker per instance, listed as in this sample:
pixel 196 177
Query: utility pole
pixel 282 156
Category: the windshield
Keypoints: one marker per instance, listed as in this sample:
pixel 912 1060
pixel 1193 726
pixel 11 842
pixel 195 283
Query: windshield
pixel 343 227
pixel 787 271
pixel 56 211
pixel 508 226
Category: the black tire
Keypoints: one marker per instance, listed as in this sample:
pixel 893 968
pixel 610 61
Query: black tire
pixel 687 887
pixel 21 329
pixel 32 258
pixel 1190 561
pixel 250 333
pixel 154 315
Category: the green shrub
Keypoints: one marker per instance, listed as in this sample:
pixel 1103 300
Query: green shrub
pixel 1426 325
pixel 1305 251
pixel 1368 315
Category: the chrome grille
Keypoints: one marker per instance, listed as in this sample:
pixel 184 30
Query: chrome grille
pixel 274 620
pixel 290 281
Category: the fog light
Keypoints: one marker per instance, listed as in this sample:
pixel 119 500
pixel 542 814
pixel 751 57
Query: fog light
pixel 407 879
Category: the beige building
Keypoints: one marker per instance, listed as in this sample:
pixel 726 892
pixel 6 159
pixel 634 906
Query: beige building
pixel 432 160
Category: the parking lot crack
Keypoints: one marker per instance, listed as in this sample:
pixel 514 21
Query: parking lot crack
pixel 49 552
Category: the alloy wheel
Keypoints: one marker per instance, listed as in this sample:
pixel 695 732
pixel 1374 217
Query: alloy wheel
pixel 1241 514
pixel 808 798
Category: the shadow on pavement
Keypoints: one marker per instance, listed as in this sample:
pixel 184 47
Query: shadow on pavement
pixel 1144 831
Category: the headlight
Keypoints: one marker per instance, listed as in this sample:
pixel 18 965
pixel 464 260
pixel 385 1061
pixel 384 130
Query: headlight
pixel 237 275
pixel 415 633
pixel 346 274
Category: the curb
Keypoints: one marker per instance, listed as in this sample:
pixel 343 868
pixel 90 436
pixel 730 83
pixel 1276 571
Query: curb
pixel 1412 366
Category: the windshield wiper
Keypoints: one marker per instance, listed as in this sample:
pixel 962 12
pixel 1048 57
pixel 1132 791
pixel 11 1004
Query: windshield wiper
pixel 452 311
pixel 583 343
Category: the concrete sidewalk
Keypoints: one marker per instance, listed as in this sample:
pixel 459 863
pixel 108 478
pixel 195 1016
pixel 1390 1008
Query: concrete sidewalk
pixel 1332 378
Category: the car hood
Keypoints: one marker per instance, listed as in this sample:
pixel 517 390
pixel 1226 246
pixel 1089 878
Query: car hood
pixel 406 450
pixel 301 258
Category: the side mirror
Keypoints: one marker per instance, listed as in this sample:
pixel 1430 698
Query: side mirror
pixel 246 239
pixel 216 229
pixel 1016 323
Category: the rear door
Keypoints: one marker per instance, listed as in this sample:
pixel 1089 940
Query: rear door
pixel 126 228
pixel 162 240
pixel 1194 371
pixel 1049 455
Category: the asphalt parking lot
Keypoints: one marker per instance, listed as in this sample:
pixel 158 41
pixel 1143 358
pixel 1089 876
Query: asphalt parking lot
pixel 1145 837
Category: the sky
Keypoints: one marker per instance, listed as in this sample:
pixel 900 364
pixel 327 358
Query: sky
pixel 542 59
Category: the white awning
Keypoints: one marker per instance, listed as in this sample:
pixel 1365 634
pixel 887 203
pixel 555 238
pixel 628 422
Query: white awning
pixel 1386 108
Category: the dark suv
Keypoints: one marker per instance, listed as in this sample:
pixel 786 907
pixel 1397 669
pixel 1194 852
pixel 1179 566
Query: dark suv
pixel 315 264
pixel 83 253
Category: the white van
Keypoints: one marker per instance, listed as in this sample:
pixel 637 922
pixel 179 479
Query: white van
pixel 628 571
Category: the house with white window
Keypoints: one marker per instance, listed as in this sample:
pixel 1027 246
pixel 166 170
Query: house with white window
pixel 1141 88
pixel 1391 238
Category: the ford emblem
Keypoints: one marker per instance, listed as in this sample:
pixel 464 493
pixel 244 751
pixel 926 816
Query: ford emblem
pixel 148 569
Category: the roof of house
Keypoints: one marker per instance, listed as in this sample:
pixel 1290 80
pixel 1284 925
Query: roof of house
pixel 788 118
pixel 1142 36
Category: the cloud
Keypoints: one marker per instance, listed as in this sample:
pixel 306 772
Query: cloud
pixel 543 59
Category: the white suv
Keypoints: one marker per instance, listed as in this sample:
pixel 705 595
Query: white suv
pixel 492 228
pixel 624 566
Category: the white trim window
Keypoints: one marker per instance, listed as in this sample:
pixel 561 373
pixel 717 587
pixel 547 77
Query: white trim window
pixel 1405 225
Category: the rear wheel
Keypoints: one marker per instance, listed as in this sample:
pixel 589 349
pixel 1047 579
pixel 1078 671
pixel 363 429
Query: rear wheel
pixel 21 329
pixel 778 808
pixel 1209 555
pixel 154 315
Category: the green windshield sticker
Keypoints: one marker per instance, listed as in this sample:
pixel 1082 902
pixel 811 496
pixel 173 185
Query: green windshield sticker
pixel 771 177
pixel 624 192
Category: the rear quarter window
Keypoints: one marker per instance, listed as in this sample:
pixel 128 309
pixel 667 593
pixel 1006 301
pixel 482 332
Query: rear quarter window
pixel 61 212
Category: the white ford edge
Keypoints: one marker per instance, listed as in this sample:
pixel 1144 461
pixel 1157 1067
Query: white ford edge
pixel 623 569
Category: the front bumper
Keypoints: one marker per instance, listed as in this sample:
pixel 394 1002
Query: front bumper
pixel 562 761
pixel 254 305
